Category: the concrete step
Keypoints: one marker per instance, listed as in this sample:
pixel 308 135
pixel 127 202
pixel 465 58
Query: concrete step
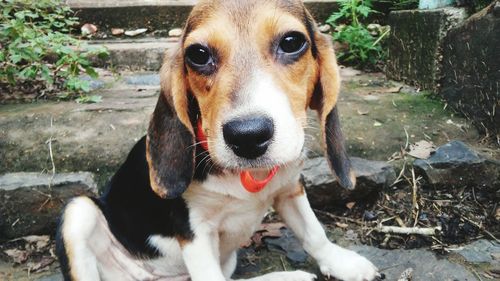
pixel 133 54
pixel 157 16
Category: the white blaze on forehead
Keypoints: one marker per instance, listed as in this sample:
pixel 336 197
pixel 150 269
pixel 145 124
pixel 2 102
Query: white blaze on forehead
pixel 261 96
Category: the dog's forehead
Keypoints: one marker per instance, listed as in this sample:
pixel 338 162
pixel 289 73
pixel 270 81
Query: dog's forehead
pixel 241 14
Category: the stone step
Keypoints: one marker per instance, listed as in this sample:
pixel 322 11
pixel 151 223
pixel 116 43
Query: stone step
pixel 134 54
pixel 157 15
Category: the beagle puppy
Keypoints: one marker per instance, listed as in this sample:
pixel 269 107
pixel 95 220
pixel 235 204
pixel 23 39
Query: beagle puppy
pixel 225 143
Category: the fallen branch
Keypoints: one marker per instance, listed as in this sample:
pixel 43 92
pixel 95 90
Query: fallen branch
pixel 427 231
pixel 332 216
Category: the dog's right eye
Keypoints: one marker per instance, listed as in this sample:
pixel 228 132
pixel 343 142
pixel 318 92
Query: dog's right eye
pixel 198 54
pixel 200 59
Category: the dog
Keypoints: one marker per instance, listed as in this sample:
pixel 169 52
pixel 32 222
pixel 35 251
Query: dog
pixel 224 144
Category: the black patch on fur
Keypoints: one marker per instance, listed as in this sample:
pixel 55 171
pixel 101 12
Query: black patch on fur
pixel 61 251
pixel 335 148
pixel 134 212
pixel 171 149
pixel 310 26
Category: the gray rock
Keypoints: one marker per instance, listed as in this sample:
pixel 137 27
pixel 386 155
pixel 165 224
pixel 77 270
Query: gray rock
pixel 426 265
pixel 470 69
pixel 13 181
pixel 323 189
pixel 53 277
pixel 480 251
pixel 28 206
pixel 456 165
pixel 143 79
pixel 289 245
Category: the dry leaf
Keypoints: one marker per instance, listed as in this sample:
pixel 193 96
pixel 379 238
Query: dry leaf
pixel 422 149
pixel 39 241
pixel 271 229
pixel 350 205
pixel 341 225
pixel 18 256
pixel 42 265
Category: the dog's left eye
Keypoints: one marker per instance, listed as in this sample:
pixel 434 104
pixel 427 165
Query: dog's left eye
pixel 292 43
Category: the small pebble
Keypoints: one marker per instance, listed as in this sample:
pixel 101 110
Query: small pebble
pixel 176 32
pixel 117 31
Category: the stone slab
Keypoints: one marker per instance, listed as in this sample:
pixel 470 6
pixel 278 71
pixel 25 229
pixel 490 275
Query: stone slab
pixel 414 44
pixel 157 15
pixel 13 181
pixel 323 189
pixel 141 54
pixel 91 137
pixel 457 165
pixel 471 69
pixel 426 265
pixel 481 251
pixel 30 203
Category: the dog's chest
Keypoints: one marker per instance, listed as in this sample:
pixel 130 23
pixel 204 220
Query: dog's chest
pixel 233 219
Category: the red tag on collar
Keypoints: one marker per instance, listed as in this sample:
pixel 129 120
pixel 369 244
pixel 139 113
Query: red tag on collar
pixel 247 180
pixel 252 185
pixel 200 136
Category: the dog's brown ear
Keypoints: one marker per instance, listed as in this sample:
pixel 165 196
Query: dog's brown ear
pixel 324 100
pixel 170 138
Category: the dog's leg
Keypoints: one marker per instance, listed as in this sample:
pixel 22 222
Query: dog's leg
pixel 333 260
pixel 229 265
pixel 89 249
pixel 201 255
pixel 202 260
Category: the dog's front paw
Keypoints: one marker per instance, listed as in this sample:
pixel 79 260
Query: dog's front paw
pixel 346 265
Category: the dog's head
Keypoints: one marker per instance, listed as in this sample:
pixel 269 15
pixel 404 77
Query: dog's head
pixel 243 76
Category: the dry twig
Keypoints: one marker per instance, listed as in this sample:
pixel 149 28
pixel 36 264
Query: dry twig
pixel 427 231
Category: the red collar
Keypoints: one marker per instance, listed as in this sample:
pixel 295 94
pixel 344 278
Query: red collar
pixel 247 180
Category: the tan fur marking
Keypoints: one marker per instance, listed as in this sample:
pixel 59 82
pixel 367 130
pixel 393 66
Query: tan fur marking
pixel 329 77
pixel 299 191
pixel 173 85
pixel 69 254
pixel 182 241
pixel 160 191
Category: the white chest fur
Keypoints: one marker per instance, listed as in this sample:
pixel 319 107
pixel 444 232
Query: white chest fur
pixel 221 206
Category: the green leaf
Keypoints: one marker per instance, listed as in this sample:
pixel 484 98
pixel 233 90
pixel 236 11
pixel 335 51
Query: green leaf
pixel 89 99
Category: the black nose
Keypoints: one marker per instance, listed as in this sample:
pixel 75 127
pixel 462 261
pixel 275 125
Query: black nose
pixel 249 137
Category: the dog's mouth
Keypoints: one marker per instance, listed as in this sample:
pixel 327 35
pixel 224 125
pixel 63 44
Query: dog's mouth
pixel 255 174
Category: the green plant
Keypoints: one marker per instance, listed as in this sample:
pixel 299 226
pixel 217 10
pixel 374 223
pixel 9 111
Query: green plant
pixel 362 48
pixel 37 52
